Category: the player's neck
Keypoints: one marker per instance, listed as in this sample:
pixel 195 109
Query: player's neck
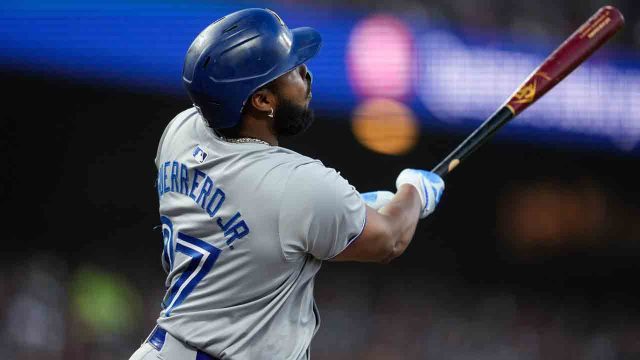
pixel 258 129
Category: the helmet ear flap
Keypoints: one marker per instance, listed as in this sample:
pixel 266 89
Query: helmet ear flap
pixel 212 110
pixel 207 108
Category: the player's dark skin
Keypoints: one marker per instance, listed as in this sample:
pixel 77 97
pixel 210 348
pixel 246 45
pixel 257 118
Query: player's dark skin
pixel 295 86
pixel 389 230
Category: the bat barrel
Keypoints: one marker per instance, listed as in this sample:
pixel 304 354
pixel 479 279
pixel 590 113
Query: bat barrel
pixel 572 52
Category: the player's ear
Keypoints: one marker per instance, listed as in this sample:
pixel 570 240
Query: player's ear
pixel 263 100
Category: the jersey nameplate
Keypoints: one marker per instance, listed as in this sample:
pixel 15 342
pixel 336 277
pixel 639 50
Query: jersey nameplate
pixel 176 177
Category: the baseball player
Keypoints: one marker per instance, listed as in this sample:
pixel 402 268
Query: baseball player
pixel 246 224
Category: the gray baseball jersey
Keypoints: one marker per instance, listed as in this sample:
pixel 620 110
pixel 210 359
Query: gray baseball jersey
pixel 245 228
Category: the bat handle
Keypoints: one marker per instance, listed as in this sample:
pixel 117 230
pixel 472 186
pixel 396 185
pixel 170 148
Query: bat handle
pixel 473 141
pixel 442 169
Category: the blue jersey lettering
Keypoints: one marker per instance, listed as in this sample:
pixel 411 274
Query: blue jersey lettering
pixel 209 197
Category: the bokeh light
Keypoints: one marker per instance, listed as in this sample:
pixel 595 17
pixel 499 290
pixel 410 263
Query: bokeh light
pixel 380 58
pixel 541 217
pixel 98 296
pixel 385 126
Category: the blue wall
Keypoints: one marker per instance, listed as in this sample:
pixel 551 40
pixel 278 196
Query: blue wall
pixel 458 79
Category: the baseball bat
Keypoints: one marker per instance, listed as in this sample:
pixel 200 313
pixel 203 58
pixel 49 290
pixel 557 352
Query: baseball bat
pixel 570 54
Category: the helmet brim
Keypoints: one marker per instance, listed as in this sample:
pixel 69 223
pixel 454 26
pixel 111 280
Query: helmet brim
pixel 306 44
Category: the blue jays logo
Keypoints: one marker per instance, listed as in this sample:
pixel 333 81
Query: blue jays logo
pixel 199 154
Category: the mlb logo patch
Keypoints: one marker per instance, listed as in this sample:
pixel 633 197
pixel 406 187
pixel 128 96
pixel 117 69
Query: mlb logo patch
pixel 199 154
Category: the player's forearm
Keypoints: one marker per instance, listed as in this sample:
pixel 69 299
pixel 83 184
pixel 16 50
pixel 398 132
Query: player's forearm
pixel 402 214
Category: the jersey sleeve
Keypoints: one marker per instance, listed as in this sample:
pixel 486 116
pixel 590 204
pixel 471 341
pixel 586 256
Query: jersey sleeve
pixel 320 213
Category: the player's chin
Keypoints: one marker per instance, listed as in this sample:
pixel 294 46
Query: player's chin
pixel 299 124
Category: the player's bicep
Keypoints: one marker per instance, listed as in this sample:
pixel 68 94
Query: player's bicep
pixel 373 244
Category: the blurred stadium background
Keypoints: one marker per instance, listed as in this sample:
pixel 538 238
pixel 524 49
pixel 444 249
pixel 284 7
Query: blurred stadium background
pixel 533 254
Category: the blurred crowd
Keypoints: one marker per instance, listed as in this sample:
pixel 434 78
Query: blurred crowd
pixel 51 310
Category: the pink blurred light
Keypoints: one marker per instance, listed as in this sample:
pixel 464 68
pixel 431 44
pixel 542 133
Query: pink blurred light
pixel 380 58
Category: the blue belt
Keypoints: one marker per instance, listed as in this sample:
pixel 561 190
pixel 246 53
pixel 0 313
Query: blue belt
pixel 156 339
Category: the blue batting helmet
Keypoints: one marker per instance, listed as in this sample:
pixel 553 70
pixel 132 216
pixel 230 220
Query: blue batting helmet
pixel 236 55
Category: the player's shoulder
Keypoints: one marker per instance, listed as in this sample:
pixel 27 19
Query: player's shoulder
pixel 184 117
pixel 305 172
pixel 290 170
pixel 297 165
pixel 172 128
pixel 290 158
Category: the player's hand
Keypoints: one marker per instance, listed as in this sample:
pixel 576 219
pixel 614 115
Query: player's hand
pixel 430 186
pixel 377 199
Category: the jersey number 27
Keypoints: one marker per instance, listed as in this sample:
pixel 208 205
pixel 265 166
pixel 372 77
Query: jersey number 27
pixel 201 258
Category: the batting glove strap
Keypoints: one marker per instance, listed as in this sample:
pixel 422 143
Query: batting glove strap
pixel 377 199
pixel 430 186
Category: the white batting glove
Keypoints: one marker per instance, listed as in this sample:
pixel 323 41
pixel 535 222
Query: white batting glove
pixel 377 199
pixel 430 186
